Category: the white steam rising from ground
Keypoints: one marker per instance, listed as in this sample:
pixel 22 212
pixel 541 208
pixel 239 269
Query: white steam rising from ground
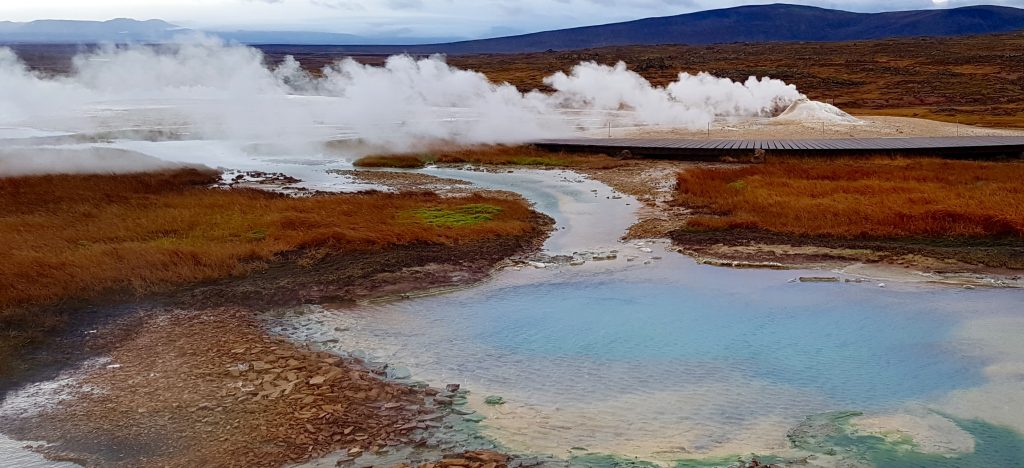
pixel 207 90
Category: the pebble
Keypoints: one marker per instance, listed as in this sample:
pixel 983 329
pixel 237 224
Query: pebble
pixel 443 401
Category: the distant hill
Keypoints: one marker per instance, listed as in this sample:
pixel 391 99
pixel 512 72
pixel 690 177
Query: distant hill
pixel 320 38
pixel 763 23
pixel 88 32
pixel 760 23
pixel 124 30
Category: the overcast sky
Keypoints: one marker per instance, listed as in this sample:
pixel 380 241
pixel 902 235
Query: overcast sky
pixel 447 18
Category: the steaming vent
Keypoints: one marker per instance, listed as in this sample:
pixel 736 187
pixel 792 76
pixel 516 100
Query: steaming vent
pixel 806 110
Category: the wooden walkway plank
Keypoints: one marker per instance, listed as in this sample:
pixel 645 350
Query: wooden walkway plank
pixel 689 147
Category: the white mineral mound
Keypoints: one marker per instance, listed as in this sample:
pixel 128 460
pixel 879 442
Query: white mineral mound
pixel 805 110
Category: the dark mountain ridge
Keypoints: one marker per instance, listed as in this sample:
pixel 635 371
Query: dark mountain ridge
pixel 757 23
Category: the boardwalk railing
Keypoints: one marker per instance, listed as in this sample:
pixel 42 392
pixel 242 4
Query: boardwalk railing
pixel 712 149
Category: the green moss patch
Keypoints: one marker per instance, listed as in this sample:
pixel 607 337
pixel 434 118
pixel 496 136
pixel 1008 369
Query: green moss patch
pixel 466 215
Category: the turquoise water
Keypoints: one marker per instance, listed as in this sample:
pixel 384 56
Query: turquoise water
pixel 853 344
pixel 696 361
pixel 663 360
pixel 995 446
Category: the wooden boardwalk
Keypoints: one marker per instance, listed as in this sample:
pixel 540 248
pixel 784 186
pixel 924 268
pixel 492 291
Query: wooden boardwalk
pixel 683 148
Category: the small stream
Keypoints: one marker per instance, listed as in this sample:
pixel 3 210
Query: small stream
pixel 655 357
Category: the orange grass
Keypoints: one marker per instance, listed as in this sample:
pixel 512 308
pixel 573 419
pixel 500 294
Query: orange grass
pixel 500 155
pixel 395 161
pixel 71 236
pixel 876 198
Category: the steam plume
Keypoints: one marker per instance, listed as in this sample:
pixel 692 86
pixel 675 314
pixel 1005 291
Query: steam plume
pixel 206 89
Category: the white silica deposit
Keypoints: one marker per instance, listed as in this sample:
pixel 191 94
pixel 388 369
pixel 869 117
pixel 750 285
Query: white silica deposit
pixel 805 110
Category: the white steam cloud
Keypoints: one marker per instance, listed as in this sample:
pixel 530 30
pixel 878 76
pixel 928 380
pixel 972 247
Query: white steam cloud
pixel 81 161
pixel 692 101
pixel 202 88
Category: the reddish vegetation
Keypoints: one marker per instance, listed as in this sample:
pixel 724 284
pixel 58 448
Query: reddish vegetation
pixel 975 79
pixel 396 161
pixel 73 237
pixel 877 198
pixel 494 155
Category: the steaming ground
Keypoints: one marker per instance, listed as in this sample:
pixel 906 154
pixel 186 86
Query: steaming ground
pixel 205 90
pixel 205 102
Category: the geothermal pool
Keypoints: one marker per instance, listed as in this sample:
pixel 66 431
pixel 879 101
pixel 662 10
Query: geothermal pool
pixel 654 357
pixel 672 360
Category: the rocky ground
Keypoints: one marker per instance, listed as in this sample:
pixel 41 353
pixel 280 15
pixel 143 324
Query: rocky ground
pixel 406 181
pixel 962 263
pixel 193 379
pixel 652 182
pixel 311 277
pixel 211 388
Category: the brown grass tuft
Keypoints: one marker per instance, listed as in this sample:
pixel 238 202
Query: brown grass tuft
pixel 876 198
pixel 498 155
pixel 394 161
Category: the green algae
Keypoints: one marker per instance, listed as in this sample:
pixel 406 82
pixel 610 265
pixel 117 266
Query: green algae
pixel 726 462
pixel 494 400
pixel 604 460
pixel 830 434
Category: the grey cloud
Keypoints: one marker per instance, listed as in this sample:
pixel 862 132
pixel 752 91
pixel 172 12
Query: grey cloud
pixel 350 5
pixel 405 4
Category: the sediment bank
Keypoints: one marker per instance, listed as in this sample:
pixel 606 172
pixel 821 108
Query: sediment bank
pixel 187 376
pixel 201 382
